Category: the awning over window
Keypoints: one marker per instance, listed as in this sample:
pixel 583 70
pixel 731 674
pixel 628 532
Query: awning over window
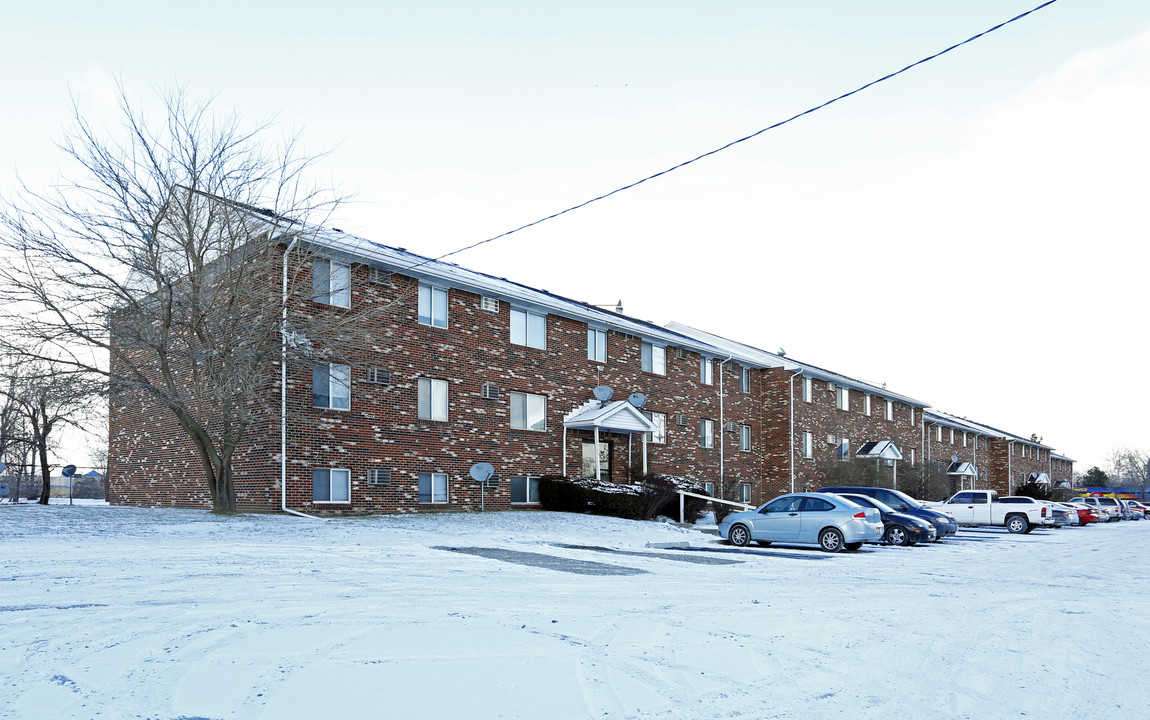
pixel 883 449
pixel 619 416
pixel 1039 477
pixel 964 469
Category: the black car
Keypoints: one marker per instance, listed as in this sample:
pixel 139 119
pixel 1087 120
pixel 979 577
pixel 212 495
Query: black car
pixel 903 503
pixel 898 528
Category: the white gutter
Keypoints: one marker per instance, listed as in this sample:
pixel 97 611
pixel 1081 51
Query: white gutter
pixel 283 392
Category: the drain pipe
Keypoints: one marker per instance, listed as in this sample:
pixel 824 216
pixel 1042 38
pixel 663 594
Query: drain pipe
pixel 722 428
pixel 791 442
pixel 283 392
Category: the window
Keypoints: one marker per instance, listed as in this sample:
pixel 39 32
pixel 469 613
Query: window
pixel 528 328
pixel 844 449
pixel 331 386
pixel 524 490
pixel 745 437
pixel 432 399
pixel 808 445
pixel 745 492
pixel 329 485
pixel 912 457
pixel 432 306
pixel 744 380
pixel 951 435
pixel 709 488
pixel 964 438
pixel 888 411
pixel 866 404
pixel 842 398
pixel 814 504
pixel 706 433
pixel 660 420
pixel 432 488
pixel 938 433
pixel 597 345
pixel 331 282
pixel 706 371
pixel 528 412
pixel 654 359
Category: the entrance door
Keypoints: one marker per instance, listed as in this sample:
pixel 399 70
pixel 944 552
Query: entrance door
pixel 604 459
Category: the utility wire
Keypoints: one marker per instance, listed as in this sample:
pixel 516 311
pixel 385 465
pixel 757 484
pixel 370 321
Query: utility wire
pixel 742 139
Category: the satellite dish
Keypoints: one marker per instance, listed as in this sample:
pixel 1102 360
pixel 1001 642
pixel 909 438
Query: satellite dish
pixel 637 399
pixel 481 472
pixel 68 470
pixel 602 393
pixel 954 458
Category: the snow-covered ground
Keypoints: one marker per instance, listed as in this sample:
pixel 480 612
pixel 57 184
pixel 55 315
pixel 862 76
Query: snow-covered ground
pixel 128 613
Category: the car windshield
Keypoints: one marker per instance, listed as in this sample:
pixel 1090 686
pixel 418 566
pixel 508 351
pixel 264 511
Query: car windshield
pixel 907 499
pixel 869 502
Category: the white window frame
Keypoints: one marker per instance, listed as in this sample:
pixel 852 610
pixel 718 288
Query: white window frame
pixel 530 487
pixel 938 433
pixel 808 445
pixel 964 438
pixel 808 389
pixel 528 328
pixel 344 497
pixel 338 378
pixel 433 305
pixel 842 398
pixel 709 488
pixel 745 438
pixel 843 452
pixel 327 274
pixel 597 345
pixel 888 411
pixel 744 492
pixel 433 399
pixel 435 494
pixel 658 437
pixel 525 406
pixel 654 358
pixel 745 380
pixel 706 370
pixel 707 433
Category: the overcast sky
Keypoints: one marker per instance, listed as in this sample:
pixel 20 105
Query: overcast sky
pixel 972 233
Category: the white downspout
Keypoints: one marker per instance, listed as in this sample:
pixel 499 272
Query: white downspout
pixel 283 392
pixel 722 427
pixel 791 442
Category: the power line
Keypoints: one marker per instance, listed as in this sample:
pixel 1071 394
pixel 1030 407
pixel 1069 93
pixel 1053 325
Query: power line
pixel 743 139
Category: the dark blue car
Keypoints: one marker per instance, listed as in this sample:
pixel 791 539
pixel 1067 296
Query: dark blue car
pixel 901 502
pixel 898 528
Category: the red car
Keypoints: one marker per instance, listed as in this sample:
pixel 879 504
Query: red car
pixel 1086 514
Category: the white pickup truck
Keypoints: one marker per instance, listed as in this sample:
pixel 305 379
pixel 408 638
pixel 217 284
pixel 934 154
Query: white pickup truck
pixel 1018 514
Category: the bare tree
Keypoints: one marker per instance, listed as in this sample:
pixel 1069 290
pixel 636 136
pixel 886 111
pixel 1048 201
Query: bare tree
pixel 1131 468
pixel 49 398
pixel 157 268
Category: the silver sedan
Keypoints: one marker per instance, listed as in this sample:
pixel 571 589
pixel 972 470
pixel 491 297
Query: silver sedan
pixel 829 521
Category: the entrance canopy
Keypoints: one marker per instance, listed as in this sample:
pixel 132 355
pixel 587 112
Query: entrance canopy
pixel 883 449
pixel 964 469
pixel 616 417
pixel 1039 477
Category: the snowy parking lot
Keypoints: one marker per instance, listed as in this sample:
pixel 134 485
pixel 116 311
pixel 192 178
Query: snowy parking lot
pixel 174 614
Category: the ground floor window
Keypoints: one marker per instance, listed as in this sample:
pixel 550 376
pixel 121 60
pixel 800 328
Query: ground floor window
pixel 745 492
pixel 329 485
pixel 433 487
pixel 524 490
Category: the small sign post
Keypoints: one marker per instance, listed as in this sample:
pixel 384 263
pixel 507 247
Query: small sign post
pixel 68 471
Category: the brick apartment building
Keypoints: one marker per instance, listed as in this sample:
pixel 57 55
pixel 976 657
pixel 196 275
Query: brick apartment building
pixel 463 367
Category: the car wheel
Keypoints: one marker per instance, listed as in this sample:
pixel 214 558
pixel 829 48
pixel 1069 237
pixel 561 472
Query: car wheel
pixel 739 536
pixel 1017 524
pixel 851 547
pixel 831 540
pixel 897 535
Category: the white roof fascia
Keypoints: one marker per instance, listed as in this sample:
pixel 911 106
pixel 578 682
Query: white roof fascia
pixel 402 262
pixel 762 358
pixel 605 415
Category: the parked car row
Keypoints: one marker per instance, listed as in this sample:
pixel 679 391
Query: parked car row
pixel 837 518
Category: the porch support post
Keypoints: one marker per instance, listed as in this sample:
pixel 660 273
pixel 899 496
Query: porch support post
pixel 598 469
pixel 564 449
